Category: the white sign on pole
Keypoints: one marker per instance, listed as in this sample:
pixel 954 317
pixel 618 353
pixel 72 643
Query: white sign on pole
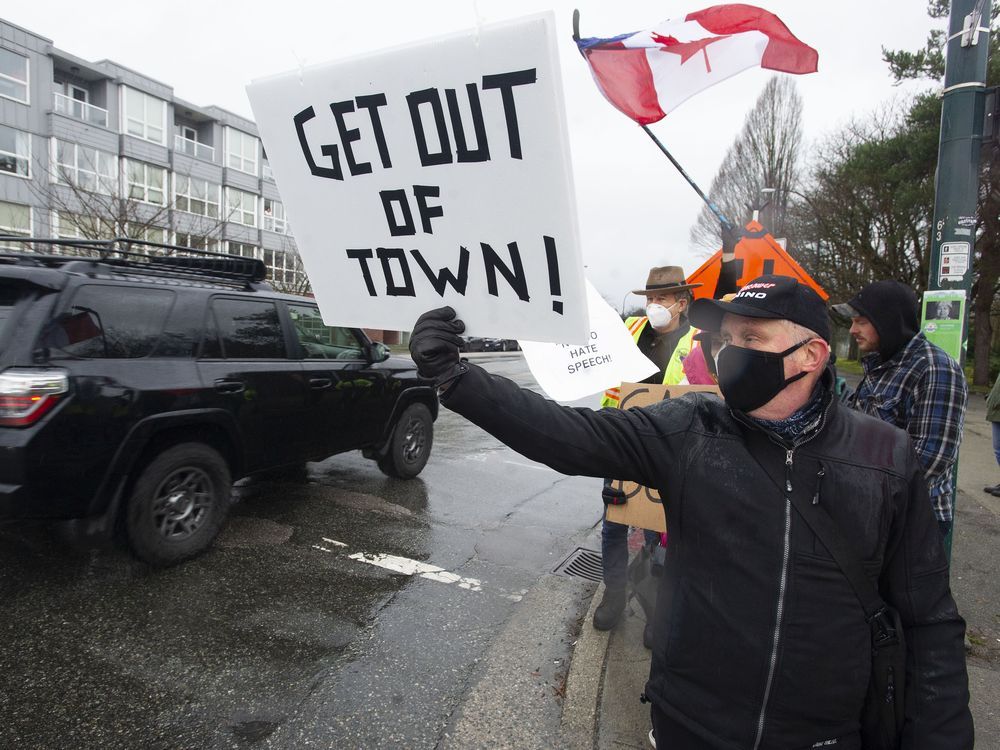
pixel 610 357
pixel 954 261
pixel 433 174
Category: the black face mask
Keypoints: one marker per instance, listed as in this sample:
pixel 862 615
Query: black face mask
pixel 750 378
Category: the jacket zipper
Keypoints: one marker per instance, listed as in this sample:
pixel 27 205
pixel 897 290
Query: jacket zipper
pixel 779 612
pixel 819 482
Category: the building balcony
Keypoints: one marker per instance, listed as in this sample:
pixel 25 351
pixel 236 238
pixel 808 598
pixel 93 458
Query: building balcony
pixel 197 149
pixel 79 110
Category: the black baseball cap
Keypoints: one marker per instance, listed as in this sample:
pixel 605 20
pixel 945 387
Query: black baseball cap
pixel 773 297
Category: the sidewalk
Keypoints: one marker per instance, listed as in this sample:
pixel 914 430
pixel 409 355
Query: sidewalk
pixel 609 670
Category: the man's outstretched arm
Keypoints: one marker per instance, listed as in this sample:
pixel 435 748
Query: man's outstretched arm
pixel 635 444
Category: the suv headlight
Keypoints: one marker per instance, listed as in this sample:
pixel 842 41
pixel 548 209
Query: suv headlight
pixel 26 395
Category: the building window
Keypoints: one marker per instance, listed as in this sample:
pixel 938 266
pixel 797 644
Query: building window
pixel 15 151
pixel 284 267
pixel 85 168
pixel 70 226
pixel 145 116
pixel 241 207
pixel 13 76
pixel 274 216
pixel 149 234
pixel 241 151
pixel 14 219
pixel 196 196
pixel 242 249
pixel 196 242
pixel 146 183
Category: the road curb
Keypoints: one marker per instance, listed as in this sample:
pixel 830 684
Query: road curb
pixel 585 681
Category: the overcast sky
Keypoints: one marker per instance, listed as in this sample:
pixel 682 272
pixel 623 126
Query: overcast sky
pixel 635 210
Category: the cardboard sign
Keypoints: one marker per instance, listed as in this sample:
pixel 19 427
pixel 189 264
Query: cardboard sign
pixel 434 174
pixel 644 508
pixel 943 320
pixel 567 372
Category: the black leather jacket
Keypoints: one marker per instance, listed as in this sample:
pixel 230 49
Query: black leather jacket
pixel 760 640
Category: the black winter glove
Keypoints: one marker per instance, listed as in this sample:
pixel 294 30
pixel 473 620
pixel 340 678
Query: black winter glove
pixel 612 496
pixel 434 345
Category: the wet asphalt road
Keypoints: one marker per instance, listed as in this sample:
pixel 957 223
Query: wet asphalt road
pixel 277 638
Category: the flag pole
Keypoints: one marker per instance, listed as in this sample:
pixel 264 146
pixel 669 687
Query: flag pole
pixel 711 205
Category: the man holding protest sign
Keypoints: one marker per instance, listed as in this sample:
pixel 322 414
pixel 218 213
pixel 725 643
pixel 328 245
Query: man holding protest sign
pixel 761 638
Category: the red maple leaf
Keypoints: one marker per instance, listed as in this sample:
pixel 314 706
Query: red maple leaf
pixel 687 49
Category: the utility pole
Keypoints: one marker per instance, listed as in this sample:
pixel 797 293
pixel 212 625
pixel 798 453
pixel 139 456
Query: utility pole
pixel 956 185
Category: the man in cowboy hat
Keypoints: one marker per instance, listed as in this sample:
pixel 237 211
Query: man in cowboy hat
pixel 664 335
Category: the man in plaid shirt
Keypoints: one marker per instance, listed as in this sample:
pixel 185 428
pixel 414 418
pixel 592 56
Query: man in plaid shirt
pixel 909 382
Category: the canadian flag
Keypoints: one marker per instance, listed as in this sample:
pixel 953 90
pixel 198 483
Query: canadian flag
pixel 647 74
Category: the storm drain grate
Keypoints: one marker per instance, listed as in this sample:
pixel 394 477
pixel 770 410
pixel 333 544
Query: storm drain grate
pixel 581 563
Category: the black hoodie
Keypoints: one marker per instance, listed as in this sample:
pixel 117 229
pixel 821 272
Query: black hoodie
pixel 891 306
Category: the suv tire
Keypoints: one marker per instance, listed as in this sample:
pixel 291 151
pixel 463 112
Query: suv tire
pixel 178 504
pixel 410 444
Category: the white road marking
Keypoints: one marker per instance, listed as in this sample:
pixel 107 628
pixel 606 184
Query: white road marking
pixel 409 567
pixel 539 467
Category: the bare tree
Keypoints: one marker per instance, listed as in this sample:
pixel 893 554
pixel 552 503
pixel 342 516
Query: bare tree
pixel 764 155
pixel 94 202
pixel 864 213
pixel 90 204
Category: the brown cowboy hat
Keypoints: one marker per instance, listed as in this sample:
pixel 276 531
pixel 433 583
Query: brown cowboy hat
pixel 665 279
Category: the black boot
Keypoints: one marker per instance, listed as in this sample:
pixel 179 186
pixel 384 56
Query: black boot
pixel 609 611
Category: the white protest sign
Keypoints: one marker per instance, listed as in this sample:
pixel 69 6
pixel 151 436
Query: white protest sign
pixel 433 174
pixel 567 372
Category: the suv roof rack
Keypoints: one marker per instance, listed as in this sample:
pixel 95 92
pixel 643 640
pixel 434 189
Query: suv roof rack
pixel 142 256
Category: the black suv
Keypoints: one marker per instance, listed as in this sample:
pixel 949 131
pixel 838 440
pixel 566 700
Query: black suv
pixel 138 380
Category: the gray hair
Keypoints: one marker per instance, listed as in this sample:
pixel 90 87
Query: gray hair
pixel 799 333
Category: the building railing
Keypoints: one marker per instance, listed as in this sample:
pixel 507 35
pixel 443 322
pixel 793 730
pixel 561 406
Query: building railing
pixel 196 149
pixel 71 107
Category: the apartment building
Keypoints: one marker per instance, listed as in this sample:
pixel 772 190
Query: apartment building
pixel 94 149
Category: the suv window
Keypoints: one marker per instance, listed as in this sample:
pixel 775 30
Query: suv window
pixel 110 322
pixel 246 329
pixel 319 341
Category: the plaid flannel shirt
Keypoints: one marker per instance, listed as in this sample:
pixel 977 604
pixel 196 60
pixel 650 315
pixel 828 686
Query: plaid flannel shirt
pixel 923 391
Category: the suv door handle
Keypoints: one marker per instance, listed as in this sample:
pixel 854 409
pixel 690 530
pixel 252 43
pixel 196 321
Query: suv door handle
pixel 230 386
pixel 319 384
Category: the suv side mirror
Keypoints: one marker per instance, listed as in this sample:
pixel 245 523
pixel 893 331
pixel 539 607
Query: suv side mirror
pixel 377 352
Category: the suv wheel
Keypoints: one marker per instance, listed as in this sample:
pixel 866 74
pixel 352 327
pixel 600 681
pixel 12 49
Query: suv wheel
pixel 178 504
pixel 410 445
